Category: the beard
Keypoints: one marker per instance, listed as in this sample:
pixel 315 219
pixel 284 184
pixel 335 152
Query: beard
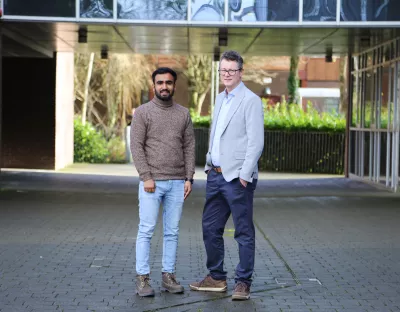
pixel 164 98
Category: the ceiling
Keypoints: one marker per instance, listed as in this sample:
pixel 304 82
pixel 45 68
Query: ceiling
pixel 42 39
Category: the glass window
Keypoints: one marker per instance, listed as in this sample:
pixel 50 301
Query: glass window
pixel 59 8
pixel 96 8
pixel 319 10
pixel 263 10
pixel 385 97
pixel 356 113
pixel 366 106
pixel 370 10
pixel 152 9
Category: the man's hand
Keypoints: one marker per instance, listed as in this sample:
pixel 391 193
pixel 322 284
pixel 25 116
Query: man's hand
pixel 244 182
pixel 188 189
pixel 149 186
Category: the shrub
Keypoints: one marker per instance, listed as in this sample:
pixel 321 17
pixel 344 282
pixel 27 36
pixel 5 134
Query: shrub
pixel 116 150
pixel 90 146
pixel 285 117
pixel 293 118
pixel 201 121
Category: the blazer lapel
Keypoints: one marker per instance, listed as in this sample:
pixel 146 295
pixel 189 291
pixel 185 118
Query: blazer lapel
pixel 237 100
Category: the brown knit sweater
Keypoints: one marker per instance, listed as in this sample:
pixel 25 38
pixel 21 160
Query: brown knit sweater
pixel 162 141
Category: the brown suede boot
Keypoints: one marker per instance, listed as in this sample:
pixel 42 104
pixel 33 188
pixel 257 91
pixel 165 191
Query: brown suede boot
pixel 143 287
pixel 170 284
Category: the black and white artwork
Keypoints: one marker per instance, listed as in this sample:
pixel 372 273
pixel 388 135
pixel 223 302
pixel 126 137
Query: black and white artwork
pixel 47 8
pixel 263 10
pixel 96 8
pixel 319 10
pixel 152 9
pixel 208 10
pixel 370 10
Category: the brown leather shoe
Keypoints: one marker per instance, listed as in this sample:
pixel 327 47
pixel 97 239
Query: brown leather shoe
pixel 169 283
pixel 209 284
pixel 143 287
pixel 241 291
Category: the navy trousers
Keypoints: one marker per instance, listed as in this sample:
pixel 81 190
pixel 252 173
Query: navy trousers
pixel 222 199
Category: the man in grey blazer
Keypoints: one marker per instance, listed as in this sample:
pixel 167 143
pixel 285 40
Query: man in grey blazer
pixel 236 144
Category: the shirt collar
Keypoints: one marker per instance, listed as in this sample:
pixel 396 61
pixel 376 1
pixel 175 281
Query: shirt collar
pixel 234 91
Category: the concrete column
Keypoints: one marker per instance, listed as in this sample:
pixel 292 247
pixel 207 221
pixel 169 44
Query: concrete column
pixel 64 136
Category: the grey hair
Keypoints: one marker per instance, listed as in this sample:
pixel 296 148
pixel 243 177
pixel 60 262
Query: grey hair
pixel 232 56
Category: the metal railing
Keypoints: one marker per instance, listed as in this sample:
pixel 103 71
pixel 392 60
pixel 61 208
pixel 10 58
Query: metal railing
pixel 302 152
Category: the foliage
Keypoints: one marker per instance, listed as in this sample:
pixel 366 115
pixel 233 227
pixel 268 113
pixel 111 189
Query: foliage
pixel 90 146
pixel 115 88
pixel 283 116
pixel 198 73
pixel 293 80
pixel 293 118
pixel 116 150
pixel 200 121
pixel 384 117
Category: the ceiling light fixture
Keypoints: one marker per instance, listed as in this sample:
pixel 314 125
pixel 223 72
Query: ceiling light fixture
pixel 104 52
pixel 82 34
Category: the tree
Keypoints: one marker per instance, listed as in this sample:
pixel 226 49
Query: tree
pixel 115 88
pixel 199 76
pixel 293 80
pixel 125 77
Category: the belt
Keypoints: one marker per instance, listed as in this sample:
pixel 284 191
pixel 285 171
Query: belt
pixel 217 169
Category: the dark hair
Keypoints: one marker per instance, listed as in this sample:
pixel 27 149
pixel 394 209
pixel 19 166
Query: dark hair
pixel 232 56
pixel 163 70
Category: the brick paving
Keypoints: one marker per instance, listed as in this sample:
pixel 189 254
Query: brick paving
pixel 67 243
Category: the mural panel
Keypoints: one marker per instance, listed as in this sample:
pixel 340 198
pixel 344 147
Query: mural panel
pixel 59 8
pixel 208 10
pixel 96 8
pixel 319 10
pixel 264 10
pixel 370 10
pixel 152 9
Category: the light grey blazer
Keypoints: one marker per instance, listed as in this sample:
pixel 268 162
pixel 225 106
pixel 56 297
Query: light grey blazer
pixel 242 140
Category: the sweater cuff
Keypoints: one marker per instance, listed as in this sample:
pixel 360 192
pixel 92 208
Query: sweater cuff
pixel 146 176
pixel 189 176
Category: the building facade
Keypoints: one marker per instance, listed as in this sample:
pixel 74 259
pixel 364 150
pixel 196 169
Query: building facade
pixel 37 35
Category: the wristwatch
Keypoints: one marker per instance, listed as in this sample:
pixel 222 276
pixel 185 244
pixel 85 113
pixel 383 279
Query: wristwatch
pixel 190 180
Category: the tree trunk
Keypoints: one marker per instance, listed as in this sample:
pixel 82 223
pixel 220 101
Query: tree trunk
pixel 195 100
pixel 293 80
pixel 201 101
pixel 87 85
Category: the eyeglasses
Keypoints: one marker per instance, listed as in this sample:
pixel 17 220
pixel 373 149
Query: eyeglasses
pixel 230 72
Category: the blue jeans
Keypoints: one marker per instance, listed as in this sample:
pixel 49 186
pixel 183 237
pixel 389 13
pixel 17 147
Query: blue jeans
pixel 170 194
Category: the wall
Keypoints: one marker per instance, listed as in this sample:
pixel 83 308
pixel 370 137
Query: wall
pixel 28 113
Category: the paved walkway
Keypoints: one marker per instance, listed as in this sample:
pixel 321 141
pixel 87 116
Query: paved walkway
pixel 323 244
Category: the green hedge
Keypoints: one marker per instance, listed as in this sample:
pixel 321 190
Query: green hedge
pixel 285 117
pixel 90 146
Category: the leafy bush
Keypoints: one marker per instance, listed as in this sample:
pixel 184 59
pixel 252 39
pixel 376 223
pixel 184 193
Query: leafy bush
pixel 201 121
pixel 285 117
pixel 90 146
pixel 294 118
pixel 116 151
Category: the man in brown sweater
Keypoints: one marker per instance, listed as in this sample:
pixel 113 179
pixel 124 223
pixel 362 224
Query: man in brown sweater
pixel 163 151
